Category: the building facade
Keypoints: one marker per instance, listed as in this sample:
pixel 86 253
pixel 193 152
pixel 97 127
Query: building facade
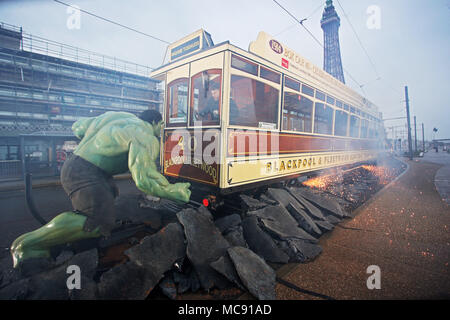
pixel 46 86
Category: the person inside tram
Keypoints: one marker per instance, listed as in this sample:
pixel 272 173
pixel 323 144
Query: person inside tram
pixel 211 109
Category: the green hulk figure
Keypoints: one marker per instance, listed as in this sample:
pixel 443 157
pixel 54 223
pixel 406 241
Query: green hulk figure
pixel 111 143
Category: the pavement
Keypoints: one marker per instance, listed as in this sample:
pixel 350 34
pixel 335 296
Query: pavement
pixel 442 177
pixel 403 229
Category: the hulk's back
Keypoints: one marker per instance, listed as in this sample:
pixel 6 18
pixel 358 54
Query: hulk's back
pixel 105 140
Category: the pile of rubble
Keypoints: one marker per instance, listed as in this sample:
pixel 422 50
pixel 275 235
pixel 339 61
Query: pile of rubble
pixel 195 251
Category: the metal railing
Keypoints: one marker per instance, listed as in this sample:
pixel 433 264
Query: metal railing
pixel 13 169
pixel 10 27
pixel 10 169
pixel 56 49
pixel 47 47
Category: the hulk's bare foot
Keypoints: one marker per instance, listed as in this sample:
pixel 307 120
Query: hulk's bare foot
pixel 64 228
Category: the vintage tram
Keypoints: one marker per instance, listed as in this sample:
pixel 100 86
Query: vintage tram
pixel 237 119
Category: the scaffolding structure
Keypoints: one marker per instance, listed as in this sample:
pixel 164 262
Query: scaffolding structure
pixel 45 86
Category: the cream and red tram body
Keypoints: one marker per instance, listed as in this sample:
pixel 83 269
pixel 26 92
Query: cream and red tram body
pixel 277 115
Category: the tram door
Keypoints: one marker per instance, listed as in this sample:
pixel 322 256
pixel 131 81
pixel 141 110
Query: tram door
pixel 193 111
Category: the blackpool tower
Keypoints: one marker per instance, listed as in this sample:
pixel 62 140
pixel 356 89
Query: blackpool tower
pixel 330 23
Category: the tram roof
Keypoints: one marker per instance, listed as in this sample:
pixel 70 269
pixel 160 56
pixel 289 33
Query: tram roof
pixel 314 75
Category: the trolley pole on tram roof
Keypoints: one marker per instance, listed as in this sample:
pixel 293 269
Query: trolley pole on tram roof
pixel 409 124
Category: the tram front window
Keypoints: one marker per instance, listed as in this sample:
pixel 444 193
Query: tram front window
pixel 206 97
pixel 253 103
pixel 177 102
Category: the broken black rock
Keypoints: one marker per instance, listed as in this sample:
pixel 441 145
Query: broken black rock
pixel 48 282
pixel 205 244
pixel 63 257
pixel 254 273
pixel 324 226
pixel 18 290
pixel 168 287
pixel 267 200
pixel 282 197
pixel 127 208
pixel 50 285
pixel 126 281
pixel 277 220
pixel 87 262
pixel 183 282
pixel 319 200
pixel 332 219
pixel 226 223
pixel 225 266
pixel 304 221
pixel 157 253
pixel 299 250
pixel 249 203
pixel 88 290
pixel 339 202
pixel 187 279
pixel 8 273
pixel 295 209
pixel 235 237
pixel 313 211
pixel 261 243
pixel 32 266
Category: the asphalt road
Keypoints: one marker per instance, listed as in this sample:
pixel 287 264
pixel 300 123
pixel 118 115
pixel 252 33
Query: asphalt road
pixel 15 219
pixel 404 230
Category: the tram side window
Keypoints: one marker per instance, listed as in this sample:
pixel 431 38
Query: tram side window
pixel 371 129
pixel 354 126
pixel 297 112
pixel 307 90
pixel 320 95
pixel 340 123
pixel 323 119
pixel 379 132
pixel 177 101
pixel 270 75
pixel 295 85
pixel 244 65
pixel 253 103
pixel 206 97
pixel 364 127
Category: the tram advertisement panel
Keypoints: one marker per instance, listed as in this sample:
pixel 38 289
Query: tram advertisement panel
pixel 192 154
pixel 261 143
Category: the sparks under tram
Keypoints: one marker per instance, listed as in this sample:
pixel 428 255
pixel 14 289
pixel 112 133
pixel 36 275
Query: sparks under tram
pixel 237 119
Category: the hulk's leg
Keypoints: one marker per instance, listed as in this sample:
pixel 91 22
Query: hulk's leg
pixel 64 228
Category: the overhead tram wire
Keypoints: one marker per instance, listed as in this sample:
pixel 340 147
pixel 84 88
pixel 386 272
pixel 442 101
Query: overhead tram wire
pixel 299 21
pixel 359 40
pixel 113 22
pixel 366 53
pixel 315 10
pixel 320 44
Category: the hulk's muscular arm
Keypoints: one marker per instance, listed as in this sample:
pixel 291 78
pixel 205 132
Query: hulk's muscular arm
pixel 143 152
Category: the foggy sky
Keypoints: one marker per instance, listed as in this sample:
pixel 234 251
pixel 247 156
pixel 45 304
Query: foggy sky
pixel 411 47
